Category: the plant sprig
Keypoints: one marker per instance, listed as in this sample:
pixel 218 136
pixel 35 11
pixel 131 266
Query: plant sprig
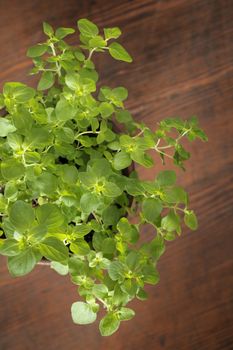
pixel 65 195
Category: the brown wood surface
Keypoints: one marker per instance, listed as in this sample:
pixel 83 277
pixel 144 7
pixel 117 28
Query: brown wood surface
pixel 183 55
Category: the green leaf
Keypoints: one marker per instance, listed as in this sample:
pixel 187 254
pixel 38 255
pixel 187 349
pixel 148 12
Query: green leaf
pixel 22 120
pixel 132 235
pixel 21 215
pixel 12 169
pixel 65 135
pixel 46 81
pixel 45 184
pixel 142 158
pixel 59 268
pixel 129 232
pixel 37 232
pixel 175 195
pixel 11 191
pixel 120 93
pixel 14 141
pixel 37 50
pixel 101 168
pixel 69 174
pixel 116 270
pixel 2 103
pixel 64 110
pixel 10 247
pixel 109 246
pixel 100 290
pixel 142 295
pixel 63 32
pixel 133 260
pixel 81 230
pixel 32 157
pixel 151 209
pixel 22 263
pixel 170 236
pixel 171 222
pixel 157 247
pixel 87 28
pixel 123 116
pixel 77 266
pixel 6 127
pixel 111 190
pixel 121 160
pixel 50 215
pixel 73 81
pixel 18 91
pixel 111 215
pixel 82 313
pixel 151 275
pixel 47 28
pixel 89 202
pixel 118 52
pixel 87 178
pixel 53 249
pixel 38 137
pixel 97 42
pixel 112 33
pixel 106 109
pixel 79 55
pixel 190 220
pixel 166 178
pixel 109 324
pixel 126 314
pixel 70 201
pixel 80 247
pixel 119 297
pixel 134 187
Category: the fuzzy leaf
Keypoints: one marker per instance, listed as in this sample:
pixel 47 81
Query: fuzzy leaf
pixel 151 209
pixel 82 313
pixel 190 220
pixel 87 28
pixel 10 247
pixel 21 215
pixel 112 33
pixel 109 324
pixel 121 160
pixel 46 81
pixel 37 50
pixel 6 127
pixel 22 263
pixel 53 249
pixel 118 52
pixel 63 32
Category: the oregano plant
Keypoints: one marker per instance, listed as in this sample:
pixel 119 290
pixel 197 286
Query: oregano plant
pixel 68 182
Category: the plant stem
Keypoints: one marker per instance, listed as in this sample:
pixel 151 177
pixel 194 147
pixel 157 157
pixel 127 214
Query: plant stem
pixel 55 55
pixel 140 133
pixel 86 132
pixel 90 54
pixel 165 154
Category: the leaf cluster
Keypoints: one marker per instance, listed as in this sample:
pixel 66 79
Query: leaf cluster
pixel 67 190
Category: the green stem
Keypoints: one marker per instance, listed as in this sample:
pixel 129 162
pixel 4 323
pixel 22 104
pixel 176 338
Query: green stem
pixel 90 54
pixel 176 140
pixel 165 154
pixel 86 132
pixel 55 55
pixel 104 303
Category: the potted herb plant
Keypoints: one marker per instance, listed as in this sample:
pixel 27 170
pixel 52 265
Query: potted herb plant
pixel 68 187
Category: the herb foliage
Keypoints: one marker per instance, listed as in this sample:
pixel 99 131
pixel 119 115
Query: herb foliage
pixel 64 192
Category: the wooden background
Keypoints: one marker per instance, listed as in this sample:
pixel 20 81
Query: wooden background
pixel 183 55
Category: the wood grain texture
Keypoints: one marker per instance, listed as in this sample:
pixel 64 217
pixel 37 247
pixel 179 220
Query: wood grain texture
pixel 183 55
